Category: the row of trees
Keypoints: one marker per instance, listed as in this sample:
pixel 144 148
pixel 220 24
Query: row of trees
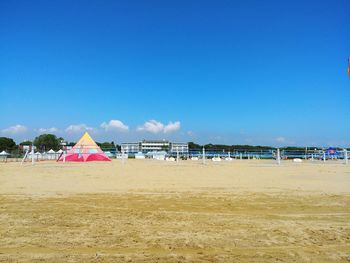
pixel 230 148
pixel 227 148
pixel 7 144
pixel 44 142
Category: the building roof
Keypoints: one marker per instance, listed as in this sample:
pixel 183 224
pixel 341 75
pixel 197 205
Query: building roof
pixel 156 141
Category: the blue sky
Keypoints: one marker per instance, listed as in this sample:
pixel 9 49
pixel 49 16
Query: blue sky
pixel 234 72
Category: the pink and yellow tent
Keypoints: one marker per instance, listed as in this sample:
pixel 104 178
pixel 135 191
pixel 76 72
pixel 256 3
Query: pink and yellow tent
pixel 86 150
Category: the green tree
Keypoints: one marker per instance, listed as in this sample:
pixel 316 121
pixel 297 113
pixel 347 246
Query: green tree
pixel 46 142
pixel 7 144
pixel 26 143
pixel 227 148
pixel 107 145
pixel 192 145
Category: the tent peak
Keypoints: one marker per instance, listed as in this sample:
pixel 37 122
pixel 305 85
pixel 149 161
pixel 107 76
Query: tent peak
pixel 85 150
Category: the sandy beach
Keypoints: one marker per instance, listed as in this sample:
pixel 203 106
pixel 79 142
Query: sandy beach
pixel 154 211
pixel 106 97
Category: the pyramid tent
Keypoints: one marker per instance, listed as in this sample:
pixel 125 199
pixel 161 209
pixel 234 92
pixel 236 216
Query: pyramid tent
pixel 85 150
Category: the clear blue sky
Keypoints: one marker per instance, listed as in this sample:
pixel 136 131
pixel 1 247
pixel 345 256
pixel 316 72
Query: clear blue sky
pixel 245 72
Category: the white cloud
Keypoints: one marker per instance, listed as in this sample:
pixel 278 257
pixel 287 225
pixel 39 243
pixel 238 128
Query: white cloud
pixel 114 125
pixel 280 139
pixel 17 129
pixel 154 126
pixel 47 130
pixel 172 126
pixel 78 128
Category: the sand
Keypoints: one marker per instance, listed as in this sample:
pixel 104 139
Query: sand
pixel 154 211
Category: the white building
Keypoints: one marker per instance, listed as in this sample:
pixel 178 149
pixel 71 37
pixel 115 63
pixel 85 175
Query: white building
pixel 146 146
pixel 179 147
pixel 154 145
pixel 132 147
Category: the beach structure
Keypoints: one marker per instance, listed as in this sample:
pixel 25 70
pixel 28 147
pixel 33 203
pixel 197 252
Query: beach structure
pixel 278 157
pixel 297 160
pixel 29 154
pixel 122 155
pixel 228 158
pixel 216 159
pixel 139 155
pixel 38 156
pixel 346 156
pixel 4 155
pixel 332 153
pixel 158 155
pixel 51 155
pixel 109 154
pixel 33 155
pixel 203 156
pixel 85 150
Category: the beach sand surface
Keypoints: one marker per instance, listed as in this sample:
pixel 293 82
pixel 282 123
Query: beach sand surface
pixel 157 211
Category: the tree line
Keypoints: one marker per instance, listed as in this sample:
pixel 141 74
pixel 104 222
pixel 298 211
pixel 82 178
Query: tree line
pixel 45 142
pixel 228 148
pixel 245 147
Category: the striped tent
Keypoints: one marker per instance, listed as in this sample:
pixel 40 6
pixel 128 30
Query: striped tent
pixel 86 150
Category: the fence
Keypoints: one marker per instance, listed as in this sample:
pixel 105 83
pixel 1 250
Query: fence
pixel 285 154
pixel 315 154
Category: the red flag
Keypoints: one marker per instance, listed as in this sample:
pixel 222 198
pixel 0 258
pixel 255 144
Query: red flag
pixel 349 66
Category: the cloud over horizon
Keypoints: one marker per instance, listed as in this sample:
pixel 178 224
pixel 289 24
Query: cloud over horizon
pixel 114 125
pixel 47 130
pixel 78 128
pixel 154 126
pixel 116 130
pixel 16 129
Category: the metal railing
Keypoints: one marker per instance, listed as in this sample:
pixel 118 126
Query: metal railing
pixel 17 155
